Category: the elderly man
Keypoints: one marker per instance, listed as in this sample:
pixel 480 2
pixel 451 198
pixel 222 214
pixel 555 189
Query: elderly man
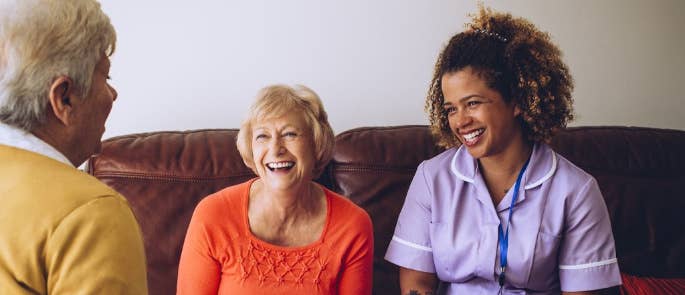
pixel 61 231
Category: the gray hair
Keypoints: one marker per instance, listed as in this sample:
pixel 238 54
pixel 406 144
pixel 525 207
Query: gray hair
pixel 41 40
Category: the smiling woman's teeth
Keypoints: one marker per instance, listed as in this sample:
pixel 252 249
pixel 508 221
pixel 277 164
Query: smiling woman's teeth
pixel 473 134
pixel 280 165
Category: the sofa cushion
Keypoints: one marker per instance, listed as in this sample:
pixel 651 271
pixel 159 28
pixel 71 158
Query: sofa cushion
pixel 373 167
pixel 164 175
pixel 640 172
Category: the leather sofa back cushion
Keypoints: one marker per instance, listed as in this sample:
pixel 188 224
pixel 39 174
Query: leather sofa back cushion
pixel 165 174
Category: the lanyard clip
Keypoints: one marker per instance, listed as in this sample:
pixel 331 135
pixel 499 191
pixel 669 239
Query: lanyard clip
pixel 500 279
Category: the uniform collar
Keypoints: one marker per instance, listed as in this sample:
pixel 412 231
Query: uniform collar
pixel 543 164
pixel 15 137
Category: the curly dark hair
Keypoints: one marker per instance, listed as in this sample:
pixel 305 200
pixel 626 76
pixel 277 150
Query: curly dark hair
pixel 517 60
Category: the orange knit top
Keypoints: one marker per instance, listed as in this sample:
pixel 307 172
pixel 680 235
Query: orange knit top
pixel 221 255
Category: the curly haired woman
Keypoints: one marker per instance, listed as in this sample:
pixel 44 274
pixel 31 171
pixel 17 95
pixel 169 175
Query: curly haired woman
pixel 499 211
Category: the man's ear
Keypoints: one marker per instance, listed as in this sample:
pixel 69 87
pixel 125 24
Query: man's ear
pixel 61 97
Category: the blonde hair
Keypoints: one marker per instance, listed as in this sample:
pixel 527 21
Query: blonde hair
pixel 41 40
pixel 275 101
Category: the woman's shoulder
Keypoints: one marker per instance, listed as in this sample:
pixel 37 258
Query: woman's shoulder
pixel 570 171
pixel 341 202
pixel 348 222
pixel 343 208
pixel 440 160
pixel 227 199
pixel 445 165
pixel 438 164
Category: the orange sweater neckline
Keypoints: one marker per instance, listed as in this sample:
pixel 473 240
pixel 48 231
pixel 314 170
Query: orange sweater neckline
pixel 244 203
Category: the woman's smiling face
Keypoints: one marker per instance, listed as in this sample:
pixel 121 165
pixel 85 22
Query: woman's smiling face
pixel 283 151
pixel 478 114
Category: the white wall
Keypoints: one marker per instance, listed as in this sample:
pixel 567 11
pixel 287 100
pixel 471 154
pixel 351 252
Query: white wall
pixel 198 64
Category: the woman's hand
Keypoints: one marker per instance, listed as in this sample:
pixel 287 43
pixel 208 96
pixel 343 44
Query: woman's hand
pixel 414 282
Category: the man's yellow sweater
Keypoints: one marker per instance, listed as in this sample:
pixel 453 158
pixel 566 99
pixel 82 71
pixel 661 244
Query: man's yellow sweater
pixel 64 232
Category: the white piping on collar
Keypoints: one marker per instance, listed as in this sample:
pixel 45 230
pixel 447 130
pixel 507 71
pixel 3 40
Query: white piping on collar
pixel 547 176
pixel 456 172
pixel 532 185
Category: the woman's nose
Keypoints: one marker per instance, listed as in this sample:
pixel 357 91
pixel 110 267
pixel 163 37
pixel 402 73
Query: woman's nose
pixel 461 119
pixel 277 146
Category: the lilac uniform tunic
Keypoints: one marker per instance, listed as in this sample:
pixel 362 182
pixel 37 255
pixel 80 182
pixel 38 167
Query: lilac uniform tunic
pixel 560 236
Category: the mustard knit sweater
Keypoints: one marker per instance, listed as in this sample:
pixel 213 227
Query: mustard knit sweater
pixel 64 232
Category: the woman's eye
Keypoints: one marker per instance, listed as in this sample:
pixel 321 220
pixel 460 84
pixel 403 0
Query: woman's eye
pixel 450 110
pixel 472 103
pixel 290 134
pixel 260 137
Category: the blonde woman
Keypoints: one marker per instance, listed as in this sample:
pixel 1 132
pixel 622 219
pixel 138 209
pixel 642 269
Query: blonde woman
pixel 280 233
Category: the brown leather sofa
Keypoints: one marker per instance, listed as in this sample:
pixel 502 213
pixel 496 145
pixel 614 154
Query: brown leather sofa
pixel 641 172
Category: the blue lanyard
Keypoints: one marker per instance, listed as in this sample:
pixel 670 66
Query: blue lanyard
pixel 504 235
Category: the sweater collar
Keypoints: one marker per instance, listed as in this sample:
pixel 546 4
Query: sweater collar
pixel 15 137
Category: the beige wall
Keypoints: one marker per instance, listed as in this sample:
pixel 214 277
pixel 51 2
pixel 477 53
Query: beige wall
pixel 627 57
pixel 188 66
